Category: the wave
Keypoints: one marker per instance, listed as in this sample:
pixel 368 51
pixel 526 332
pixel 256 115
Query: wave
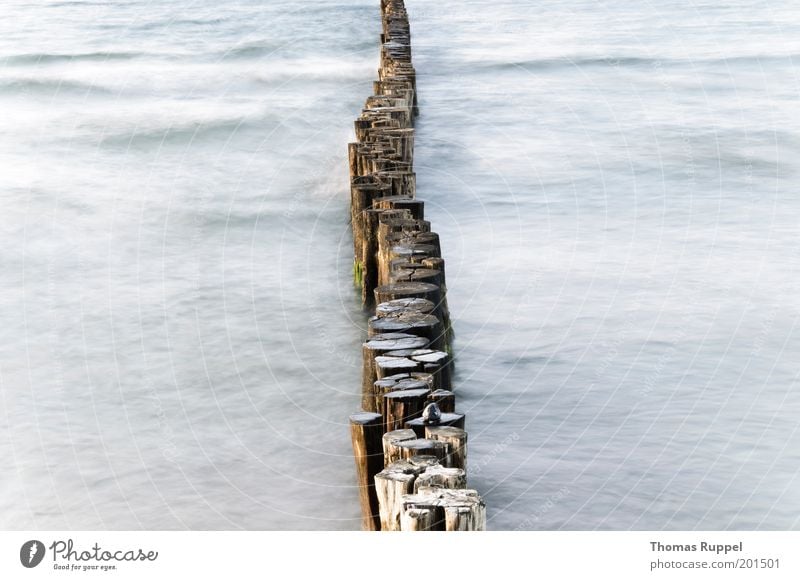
pixel 175 23
pixel 629 62
pixel 47 58
pixel 50 87
pixel 180 133
pixel 249 50
pixel 71 3
pixel 549 63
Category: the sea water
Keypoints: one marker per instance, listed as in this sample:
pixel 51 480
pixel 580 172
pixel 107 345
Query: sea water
pixel 614 184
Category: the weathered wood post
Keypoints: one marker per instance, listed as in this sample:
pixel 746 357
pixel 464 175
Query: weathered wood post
pixel 366 432
pixel 456 440
pixel 376 346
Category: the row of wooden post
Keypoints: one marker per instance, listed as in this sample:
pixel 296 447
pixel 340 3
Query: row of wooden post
pixel 409 442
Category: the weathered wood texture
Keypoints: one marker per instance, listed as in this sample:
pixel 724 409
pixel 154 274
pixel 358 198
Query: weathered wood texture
pixel 456 440
pixel 418 425
pixel 376 346
pixel 421 495
pixel 409 442
pixel 392 484
pixel 452 510
pixel 366 432
pixel 404 305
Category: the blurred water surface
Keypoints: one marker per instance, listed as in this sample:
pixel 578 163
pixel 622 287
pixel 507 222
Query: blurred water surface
pixel 615 187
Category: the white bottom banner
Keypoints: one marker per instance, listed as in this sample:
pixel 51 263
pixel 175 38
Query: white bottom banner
pixel 241 555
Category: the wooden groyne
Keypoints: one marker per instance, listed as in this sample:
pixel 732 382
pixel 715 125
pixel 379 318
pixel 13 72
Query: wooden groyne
pixel 409 442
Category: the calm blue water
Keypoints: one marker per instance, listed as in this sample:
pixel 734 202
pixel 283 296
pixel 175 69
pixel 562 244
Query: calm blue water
pixel 615 187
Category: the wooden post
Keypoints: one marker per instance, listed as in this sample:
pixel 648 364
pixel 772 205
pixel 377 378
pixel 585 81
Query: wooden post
pixel 439 364
pixel 368 241
pixel 400 382
pixel 440 477
pixel 391 485
pixel 401 183
pixel 394 307
pixel 389 441
pixel 435 264
pixel 434 362
pixel 363 190
pixel 376 346
pixel 366 430
pixel 403 406
pixel 446 400
pixel 412 447
pixel 464 511
pixel 456 440
pixel 421 519
pixel 456 509
pixel 389 292
pixel 409 322
pixel 386 366
pixel 391 230
pixel 427 275
pixel 429 239
pixel 447 420
pixel 397 449
pixel 390 488
pixel 398 248
pixel 421 512
pixel 415 207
